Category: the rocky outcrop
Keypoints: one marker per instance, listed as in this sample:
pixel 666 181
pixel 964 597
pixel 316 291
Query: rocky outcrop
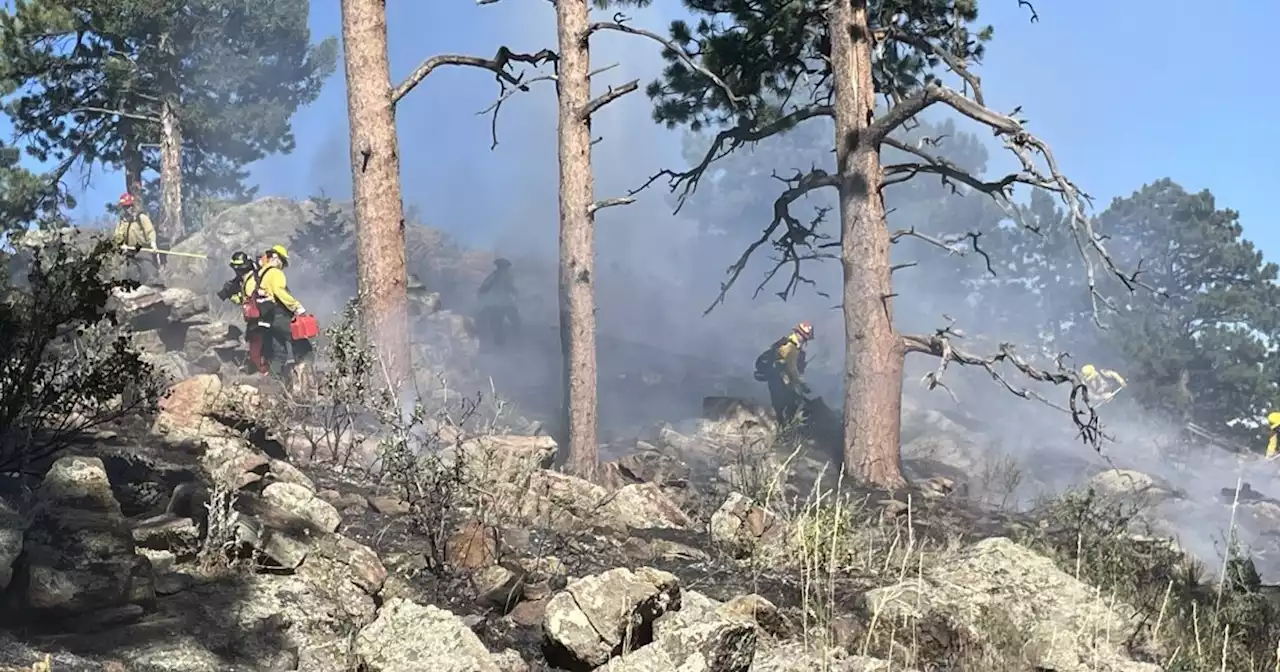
pixel 175 329
pixel 408 637
pixel 600 617
pixel 79 551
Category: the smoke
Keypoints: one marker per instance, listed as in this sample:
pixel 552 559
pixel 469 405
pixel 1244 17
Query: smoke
pixel 658 272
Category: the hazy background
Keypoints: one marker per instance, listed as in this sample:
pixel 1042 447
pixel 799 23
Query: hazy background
pixel 1109 85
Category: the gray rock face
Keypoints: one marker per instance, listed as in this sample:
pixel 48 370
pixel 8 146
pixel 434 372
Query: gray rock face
pixel 598 617
pixel 11 533
pixel 79 548
pixel 408 637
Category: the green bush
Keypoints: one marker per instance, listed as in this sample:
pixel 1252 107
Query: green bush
pixel 68 367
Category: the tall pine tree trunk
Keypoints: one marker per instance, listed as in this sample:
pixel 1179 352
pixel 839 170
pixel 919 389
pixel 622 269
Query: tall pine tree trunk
pixel 171 226
pixel 131 157
pixel 375 176
pixel 873 351
pixel 577 237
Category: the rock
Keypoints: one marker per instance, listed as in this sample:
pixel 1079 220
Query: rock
pixel 173 583
pixel 167 532
pixel 474 545
pixel 149 308
pixel 644 506
pixel 504 458
pixel 741 527
pixel 388 506
pixel 1131 487
pixel 303 503
pixel 997 578
pixel 231 461
pixel 797 657
pixel 11 532
pixel 278 545
pixel 189 400
pixel 718 644
pixel 364 569
pixel 530 613
pixel 598 617
pixel 760 611
pixel 563 502
pixel 498 587
pixel 408 637
pixel 653 466
pixel 510 661
pixel 79 550
pixel 284 472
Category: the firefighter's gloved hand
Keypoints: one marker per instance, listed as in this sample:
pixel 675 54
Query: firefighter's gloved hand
pixel 299 311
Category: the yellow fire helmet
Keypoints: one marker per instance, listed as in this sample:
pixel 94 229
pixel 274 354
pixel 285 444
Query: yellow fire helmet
pixel 1273 419
pixel 1088 371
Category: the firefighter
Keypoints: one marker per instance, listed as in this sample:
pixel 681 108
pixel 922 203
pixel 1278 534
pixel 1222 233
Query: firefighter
pixel 276 309
pixel 1273 421
pixel 237 290
pixel 782 368
pixel 498 302
pixel 134 232
pixel 1102 383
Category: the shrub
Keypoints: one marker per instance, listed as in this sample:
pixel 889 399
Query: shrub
pixel 1198 625
pixel 68 367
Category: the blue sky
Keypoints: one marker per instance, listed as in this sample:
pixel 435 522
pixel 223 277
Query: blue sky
pixel 1125 93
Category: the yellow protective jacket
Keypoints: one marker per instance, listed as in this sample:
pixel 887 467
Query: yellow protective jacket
pixel 1273 420
pixel 273 285
pixel 789 355
pixel 1098 382
pixel 135 231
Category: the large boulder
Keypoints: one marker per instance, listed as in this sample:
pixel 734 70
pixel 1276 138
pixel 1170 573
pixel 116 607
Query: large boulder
pixel 999 580
pixel 80 553
pixel 408 637
pixel 599 617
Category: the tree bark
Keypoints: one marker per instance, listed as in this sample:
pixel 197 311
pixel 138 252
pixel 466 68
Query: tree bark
pixel 375 177
pixel 171 226
pixel 577 237
pixel 873 351
pixel 131 157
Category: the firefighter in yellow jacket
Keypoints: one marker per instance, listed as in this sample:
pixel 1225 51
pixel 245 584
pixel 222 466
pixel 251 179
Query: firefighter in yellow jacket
pixel 1273 421
pixel 782 368
pixel 277 308
pixel 1104 384
pixel 134 231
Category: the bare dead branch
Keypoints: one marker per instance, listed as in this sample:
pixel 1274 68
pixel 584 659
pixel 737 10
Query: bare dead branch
pixel 796 237
pixel 609 96
pixel 498 65
pixel 726 142
pixel 940 345
pixel 609 203
pixel 619 25
pixel 950 243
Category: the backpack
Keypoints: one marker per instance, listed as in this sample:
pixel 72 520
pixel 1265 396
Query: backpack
pixel 252 308
pixel 767 362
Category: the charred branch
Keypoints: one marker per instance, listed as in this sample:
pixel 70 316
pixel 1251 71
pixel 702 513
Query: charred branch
pixel 1021 143
pixel 949 243
pixel 940 344
pixel 725 143
pixel 619 24
pixel 795 244
pixel 499 65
